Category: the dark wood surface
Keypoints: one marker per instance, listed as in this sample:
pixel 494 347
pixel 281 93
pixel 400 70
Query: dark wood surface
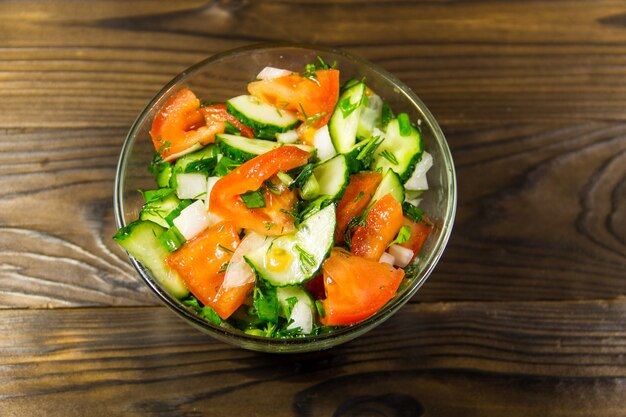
pixel 525 314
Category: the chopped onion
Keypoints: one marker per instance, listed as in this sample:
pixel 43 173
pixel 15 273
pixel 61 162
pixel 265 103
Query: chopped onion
pixel 417 180
pixel 324 144
pixel 387 258
pixel 191 185
pixel 238 272
pixel 193 219
pixel 269 73
pixel 210 183
pixel 401 254
pixel 302 317
pixel 289 136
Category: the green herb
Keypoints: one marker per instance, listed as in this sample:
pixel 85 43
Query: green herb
pixel 412 212
pixel 274 189
pixel 223 268
pixel 206 103
pixel 210 315
pixel 203 165
pixel 307 261
pixel 320 308
pixel 320 64
pixel 303 177
pixel 403 236
pixel 367 153
pixel 224 166
pixel 231 129
pixel 268 225
pixel 404 124
pixel 288 307
pixel 389 156
pixel 358 197
pixel 199 196
pixel 191 301
pixel 346 107
pixel 176 212
pixel 310 120
pixel 155 164
pixel 265 303
pixel 387 115
pixel 224 248
pixel 150 196
pixel 253 199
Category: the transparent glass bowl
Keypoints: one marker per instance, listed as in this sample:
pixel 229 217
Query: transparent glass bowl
pixel 226 75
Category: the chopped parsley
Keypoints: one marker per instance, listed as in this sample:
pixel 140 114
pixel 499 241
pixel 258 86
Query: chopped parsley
pixel 358 197
pixel 253 199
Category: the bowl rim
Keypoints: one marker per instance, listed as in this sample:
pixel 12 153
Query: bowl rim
pixel 303 343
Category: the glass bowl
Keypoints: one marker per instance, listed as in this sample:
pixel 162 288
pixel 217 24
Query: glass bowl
pixel 226 75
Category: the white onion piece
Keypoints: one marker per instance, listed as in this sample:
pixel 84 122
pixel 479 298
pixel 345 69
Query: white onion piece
pixel 302 317
pixel 323 144
pixel 193 219
pixel 402 255
pixel 269 73
pixel 387 258
pixel 210 183
pixel 289 136
pixel 192 185
pixel 238 272
pixel 417 180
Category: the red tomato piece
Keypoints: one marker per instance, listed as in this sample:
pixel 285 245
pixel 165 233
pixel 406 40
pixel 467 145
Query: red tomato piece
pixel 419 233
pixel 355 200
pixel 312 99
pixel 356 288
pixel 180 126
pixel 226 202
pixel 216 113
pixel 315 287
pixel 382 223
pixel 201 264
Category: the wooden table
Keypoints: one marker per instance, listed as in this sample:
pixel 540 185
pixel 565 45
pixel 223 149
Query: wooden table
pixel 525 314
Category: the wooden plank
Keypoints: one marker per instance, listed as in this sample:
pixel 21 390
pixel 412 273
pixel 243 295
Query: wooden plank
pixel 475 359
pixel 471 62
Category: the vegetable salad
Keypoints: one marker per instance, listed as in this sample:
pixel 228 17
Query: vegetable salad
pixel 285 211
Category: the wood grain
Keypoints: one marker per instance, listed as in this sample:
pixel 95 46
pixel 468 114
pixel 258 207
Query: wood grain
pixel 449 359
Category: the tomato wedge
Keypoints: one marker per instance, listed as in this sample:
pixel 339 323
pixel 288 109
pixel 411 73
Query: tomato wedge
pixel 217 113
pixel 225 200
pixel 356 287
pixel 180 126
pixel 382 223
pixel 419 233
pixel 355 200
pixel 201 264
pixel 313 99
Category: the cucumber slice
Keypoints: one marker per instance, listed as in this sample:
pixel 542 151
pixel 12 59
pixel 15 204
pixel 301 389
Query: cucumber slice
pixel 141 240
pixel 266 120
pixel 397 151
pixel 242 149
pixel 158 210
pixel 371 115
pixel 332 176
pixel 297 257
pixel 344 121
pixel 300 306
pixel 389 184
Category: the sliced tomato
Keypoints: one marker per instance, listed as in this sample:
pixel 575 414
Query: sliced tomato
pixel 201 264
pixel 382 223
pixel 216 113
pixel 313 99
pixel 356 287
pixel 419 233
pixel 180 126
pixel 355 200
pixel 315 287
pixel 271 220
